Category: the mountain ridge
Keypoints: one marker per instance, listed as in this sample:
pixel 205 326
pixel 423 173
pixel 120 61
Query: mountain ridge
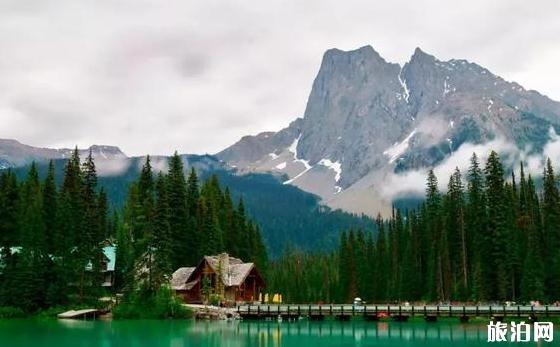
pixel 367 120
pixel 13 153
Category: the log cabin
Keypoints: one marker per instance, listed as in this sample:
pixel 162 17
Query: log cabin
pixel 228 277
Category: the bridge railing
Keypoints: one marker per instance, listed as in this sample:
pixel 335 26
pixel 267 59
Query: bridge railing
pixel 447 310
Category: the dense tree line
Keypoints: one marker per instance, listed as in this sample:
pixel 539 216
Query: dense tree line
pixel 487 238
pixel 52 235
pixel 51 238
pixel 288 216
pixel 170 221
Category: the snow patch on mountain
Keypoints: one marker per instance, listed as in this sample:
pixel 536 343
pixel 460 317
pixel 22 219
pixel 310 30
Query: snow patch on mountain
pixel 395 151
pixel 335 166
pixel 405 87
pixel 293 149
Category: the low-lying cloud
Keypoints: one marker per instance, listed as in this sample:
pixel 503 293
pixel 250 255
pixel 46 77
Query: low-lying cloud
pixel 414 182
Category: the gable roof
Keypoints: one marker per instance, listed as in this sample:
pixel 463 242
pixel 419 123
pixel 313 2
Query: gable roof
pixel 239 272
pixel 214 261
pixel 235 274
pixel 180 278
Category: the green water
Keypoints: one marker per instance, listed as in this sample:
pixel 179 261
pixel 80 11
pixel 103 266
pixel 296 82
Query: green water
pixel 23 333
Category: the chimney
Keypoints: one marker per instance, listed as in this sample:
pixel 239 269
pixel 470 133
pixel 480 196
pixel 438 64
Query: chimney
pixel 223 263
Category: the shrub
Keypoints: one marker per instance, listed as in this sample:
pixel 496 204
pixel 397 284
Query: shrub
pixel 11 312
pixel 214 300
pixel 52 312
pixel 143 304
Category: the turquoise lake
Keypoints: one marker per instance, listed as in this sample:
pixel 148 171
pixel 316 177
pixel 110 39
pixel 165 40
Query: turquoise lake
pixel 34 333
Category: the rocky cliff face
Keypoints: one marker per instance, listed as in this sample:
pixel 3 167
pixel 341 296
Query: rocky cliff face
pixel 367 118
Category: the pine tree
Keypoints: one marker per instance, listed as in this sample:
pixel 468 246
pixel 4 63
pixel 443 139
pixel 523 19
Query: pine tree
pixel 454 206
pixel 89 248
pixel 34 254
pixel 50 203
pixel 185 250
pixel 477 225
pixel 381 266
pixel 551 231
pixel 162 235
pixel 497 226
pixel 434 283
pixel 9 203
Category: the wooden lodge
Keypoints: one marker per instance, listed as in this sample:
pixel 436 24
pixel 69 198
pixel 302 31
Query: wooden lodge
pixel 228 277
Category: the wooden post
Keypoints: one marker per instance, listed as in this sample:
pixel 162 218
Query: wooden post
pixel 450 311
pixel 546 310
pixel 504 309
pixel 518 311
pixel 437 310
pixel 331 309
pixel 425 311
pixel 477 310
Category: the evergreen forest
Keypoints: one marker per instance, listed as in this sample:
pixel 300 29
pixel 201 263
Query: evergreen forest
pixel 52 236
pixel 491 236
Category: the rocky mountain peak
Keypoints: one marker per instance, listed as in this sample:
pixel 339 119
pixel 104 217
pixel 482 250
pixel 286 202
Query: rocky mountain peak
pixel 421 57
pixel 106 152
pixel 367 119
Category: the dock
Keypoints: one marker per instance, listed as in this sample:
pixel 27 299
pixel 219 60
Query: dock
pixel 400 313
pixel 79 314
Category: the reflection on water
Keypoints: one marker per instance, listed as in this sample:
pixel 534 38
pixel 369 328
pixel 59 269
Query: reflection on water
pixel 357 330
pixel 238 334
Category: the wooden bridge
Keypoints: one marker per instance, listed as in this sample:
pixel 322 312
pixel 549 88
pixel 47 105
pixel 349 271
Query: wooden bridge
pixel 395 312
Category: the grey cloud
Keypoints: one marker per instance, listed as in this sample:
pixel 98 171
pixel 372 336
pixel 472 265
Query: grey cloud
pixel 195 76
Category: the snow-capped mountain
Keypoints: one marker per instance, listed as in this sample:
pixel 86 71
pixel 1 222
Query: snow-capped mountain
pixel 368 120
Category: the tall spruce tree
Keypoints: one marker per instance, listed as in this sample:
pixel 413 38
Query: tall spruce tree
pixel 185 250
pixel 551 230
pixel 497 227
pixel 477 225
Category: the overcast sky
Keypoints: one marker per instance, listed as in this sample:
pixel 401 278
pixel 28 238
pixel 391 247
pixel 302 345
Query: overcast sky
pixel 195 76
